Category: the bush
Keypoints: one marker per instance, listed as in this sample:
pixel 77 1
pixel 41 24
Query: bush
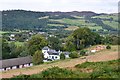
pixel 108 47
pixel 83 52
pixel 62 56
pixel 74 54
pixel 21 77
pixel 38 57
pixel 57 72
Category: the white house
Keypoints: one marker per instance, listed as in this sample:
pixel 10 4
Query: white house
pixel 51 55
pixel 12 37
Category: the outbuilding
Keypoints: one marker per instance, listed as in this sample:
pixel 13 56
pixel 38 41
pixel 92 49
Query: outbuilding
pixel 15 63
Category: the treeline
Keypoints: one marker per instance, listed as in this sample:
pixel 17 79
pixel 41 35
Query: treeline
pixel 78 40
pixel 20 19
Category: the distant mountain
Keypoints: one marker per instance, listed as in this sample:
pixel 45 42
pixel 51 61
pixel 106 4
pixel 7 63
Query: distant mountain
pixel 21 19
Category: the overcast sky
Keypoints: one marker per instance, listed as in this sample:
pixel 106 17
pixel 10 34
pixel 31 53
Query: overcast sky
pixel 99 6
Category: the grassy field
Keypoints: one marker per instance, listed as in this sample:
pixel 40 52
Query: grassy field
pixel 2 32
pixel 115 17
pixel 55 25
pixel 17 43
pixel 110 20
pixel 112 24
pixel 76 22
pixel 71 28
pixel 108 69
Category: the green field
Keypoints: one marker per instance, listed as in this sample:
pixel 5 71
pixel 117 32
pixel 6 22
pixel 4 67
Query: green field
pixel 2 32
pixel 114 16
pixel 52 25
pixel 76 22
pixel 17 43
pixel 113 24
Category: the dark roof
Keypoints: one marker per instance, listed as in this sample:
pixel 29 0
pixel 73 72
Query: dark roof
pixel 66 53
pixel 45 48
pixel 16 61
pixel 53 52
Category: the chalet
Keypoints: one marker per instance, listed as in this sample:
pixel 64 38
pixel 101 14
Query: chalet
pixel 15 63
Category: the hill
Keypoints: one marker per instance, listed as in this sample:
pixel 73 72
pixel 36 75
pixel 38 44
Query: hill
pixel 92 70
pixel 56 21
pixel 104 55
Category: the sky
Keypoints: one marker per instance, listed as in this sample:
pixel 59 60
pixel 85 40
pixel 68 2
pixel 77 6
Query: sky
pixel 98 6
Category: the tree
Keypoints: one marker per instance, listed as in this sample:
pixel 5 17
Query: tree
pixel 5 49
pixel 54 43
pixel 62 56
pixel 83 52
pixel 37 42
pixel 14 50
pixel 74 54
pixel 38 57
pixel 81 38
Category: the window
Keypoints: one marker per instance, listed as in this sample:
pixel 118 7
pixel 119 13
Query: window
pixel 52 57
pixel 56 57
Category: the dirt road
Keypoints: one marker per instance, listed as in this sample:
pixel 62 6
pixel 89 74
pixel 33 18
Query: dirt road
pixel 100 56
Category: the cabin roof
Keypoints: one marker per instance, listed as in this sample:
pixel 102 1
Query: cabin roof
pixel 15 61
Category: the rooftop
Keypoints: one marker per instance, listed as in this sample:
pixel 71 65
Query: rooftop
pixel 15 61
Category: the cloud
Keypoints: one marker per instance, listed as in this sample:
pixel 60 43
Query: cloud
pixel 61 5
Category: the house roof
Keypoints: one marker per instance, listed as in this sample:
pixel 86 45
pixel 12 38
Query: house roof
pixel 45 48
pixel 53 52
pixel 66 53
pixel 14 62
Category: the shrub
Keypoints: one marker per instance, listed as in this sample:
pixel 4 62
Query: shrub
pixel 38 57
pixel 108 47
pixel 83 52
pixel 22 77
pixel 62 56
pixel 74 54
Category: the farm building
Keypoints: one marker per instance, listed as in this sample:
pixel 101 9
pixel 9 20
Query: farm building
pixel 15 63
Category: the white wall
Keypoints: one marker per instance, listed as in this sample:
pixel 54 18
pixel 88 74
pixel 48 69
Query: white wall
pixel 66 56
pixel 56 57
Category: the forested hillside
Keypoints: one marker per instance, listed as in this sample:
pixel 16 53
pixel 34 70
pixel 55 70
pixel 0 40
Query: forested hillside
pixel 55 21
